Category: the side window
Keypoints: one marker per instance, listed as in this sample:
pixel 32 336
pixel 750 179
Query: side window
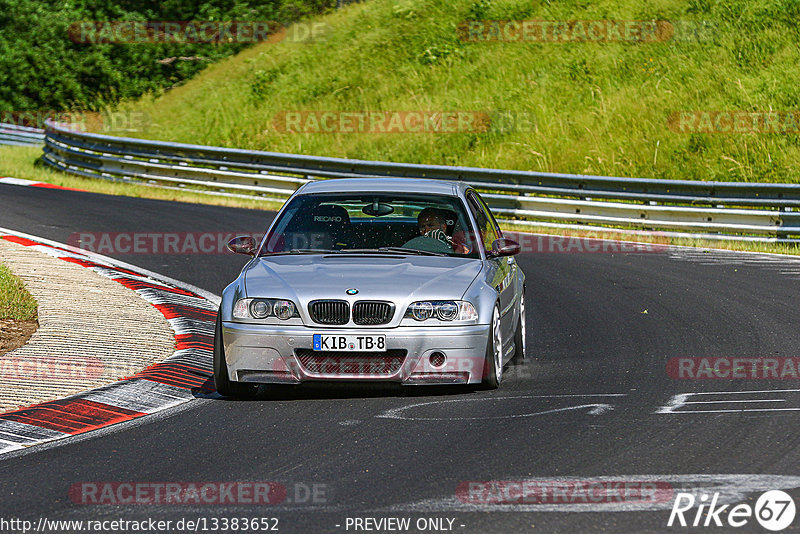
pixel 486 225
pixel 489 215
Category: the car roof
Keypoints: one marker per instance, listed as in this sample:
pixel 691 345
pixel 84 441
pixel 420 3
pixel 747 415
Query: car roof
pixel 394 185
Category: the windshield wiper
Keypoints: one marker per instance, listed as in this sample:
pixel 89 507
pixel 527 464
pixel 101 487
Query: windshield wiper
pixel 413 251
pixel 303 251
pixel 313 251
pixel 392 250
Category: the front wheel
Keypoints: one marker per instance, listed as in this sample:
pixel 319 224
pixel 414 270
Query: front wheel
pixel 226 386
pixel 493 366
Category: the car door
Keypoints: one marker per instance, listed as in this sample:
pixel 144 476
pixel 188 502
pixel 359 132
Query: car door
pixel 501 272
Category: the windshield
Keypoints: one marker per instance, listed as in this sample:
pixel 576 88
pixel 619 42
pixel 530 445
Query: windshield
pixel 389 223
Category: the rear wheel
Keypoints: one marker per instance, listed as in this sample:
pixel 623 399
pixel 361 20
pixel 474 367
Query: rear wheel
pixel 493 366
pixel 519 335
pixel 226 386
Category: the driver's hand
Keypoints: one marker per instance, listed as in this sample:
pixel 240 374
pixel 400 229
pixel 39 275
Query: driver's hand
pixel 438 235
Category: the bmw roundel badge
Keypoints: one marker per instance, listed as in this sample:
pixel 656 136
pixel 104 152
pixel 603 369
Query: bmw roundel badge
pixel 351 291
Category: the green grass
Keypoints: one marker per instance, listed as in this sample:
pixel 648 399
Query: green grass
pixel 15 301
pixel 599 108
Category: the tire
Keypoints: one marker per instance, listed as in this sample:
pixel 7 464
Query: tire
pixel 226 386
pixel 493 365
pixel 519 335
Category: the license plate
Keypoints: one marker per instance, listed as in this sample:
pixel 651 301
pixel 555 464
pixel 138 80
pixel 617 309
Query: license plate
pixel 350 343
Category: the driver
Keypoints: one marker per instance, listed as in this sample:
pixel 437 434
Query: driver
pixel 432 223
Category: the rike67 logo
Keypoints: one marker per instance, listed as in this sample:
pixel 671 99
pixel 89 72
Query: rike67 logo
pixel 774 510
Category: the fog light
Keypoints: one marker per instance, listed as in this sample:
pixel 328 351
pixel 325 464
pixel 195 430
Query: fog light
pixel 437 359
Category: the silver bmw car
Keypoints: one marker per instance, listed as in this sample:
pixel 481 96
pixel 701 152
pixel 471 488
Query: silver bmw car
pixel 388 279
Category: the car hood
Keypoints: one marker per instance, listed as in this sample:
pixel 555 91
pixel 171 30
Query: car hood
pixel 401 278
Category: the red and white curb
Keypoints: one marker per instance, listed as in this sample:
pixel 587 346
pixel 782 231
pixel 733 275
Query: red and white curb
pixel 190 311
pixel 31 183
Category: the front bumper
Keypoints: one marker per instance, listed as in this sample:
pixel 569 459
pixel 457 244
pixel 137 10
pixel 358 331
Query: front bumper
pixel 281 354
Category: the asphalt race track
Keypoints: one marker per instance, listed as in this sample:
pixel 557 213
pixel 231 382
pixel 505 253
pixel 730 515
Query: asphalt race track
pixel 593 400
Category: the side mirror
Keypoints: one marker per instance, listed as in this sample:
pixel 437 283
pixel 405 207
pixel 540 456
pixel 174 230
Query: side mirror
pixel 504 247
pixel 243 244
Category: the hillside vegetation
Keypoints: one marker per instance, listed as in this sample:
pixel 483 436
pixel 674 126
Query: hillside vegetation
pixel 46 67
pixel 596 107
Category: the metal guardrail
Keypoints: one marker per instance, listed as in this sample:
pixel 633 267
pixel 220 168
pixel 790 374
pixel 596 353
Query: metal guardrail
pixel 11 134
pixel 729 210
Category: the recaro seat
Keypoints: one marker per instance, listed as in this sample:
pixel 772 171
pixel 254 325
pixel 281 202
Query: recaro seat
pixel 324 226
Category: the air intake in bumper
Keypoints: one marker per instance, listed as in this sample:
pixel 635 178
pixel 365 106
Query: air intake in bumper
pixel 351 363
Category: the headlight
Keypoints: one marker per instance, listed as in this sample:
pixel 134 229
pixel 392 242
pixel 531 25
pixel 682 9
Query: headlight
pixel 443 310
pixel 421 310
pixel 263 308
pixel 283 309
pixel 259 309
pixel 447 311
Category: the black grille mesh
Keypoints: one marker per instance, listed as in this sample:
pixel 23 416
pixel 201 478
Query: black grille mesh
pixel 351 363
pixel 368 312
pixel 329 311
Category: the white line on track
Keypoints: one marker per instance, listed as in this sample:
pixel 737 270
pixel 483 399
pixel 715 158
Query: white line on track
pixel 676 402
pixel 735 401
pixel 594 408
